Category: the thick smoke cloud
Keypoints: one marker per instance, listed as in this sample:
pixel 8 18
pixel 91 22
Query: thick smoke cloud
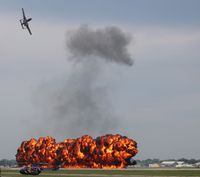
pixel 79 104
pixel 109 43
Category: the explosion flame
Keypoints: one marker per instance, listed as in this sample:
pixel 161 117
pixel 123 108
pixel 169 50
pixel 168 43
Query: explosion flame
pixel 108 151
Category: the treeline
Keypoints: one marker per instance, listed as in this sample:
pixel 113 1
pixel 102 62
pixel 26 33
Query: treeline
pixel 6 162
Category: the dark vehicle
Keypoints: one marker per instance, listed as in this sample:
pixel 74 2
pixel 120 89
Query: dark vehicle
pixel 24 22
pixel 35 168
pixel 131 161
pixel 30 170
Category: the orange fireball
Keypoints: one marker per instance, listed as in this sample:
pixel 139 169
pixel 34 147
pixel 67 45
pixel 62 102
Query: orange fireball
pixel 108 151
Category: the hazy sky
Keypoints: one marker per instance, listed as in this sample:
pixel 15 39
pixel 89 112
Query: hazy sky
pixel 156 101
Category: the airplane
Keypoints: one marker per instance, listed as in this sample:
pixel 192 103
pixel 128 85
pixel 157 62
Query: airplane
pixel 24 22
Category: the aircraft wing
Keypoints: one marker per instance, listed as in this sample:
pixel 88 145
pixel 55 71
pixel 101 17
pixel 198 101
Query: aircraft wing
pixel 24 17
pixel 27 26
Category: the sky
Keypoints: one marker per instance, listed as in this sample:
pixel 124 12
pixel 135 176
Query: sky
pixel 156 101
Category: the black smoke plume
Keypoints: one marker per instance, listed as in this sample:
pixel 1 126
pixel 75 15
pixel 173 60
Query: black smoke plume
pixel 80 104
pixel 109 44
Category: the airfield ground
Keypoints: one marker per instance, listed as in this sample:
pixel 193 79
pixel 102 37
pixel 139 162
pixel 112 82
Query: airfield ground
pixel 114 173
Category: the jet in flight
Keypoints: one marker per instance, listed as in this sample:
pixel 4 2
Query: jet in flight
pixel 24 22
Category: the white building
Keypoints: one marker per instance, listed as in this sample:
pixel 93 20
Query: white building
pixel 197 164
pixel 154 165
pixel 168 164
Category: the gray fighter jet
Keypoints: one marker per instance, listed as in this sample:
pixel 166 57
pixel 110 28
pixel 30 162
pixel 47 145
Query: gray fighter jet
pixel 24 22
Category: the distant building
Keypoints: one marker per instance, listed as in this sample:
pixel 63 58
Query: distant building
pixel 168 164
pixel 185 165
pixel 179 164
pixel 154 165
pixel 197 164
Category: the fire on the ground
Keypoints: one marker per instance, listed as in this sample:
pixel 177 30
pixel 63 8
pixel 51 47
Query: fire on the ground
pixel 108 151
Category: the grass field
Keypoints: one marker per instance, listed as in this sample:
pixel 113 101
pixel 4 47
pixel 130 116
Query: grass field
pixel 100 173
